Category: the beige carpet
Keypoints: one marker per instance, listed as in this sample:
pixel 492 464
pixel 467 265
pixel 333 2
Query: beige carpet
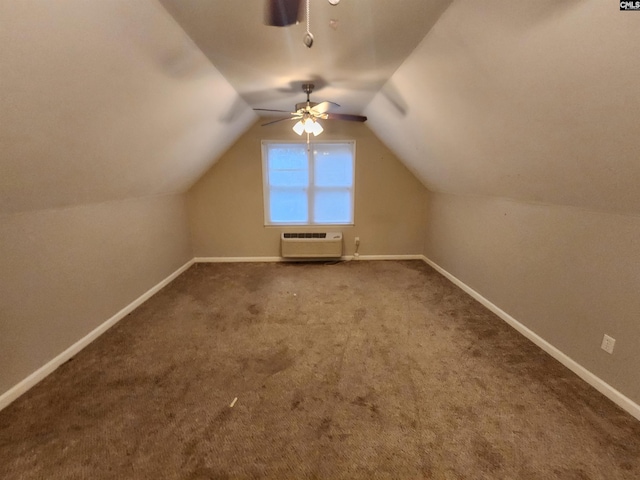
pixel 353 370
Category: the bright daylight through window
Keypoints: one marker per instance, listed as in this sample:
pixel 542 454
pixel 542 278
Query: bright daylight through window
pixel 308 184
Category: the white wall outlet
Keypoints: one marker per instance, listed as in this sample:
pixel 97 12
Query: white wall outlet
pixel 357 241
pixel 608 343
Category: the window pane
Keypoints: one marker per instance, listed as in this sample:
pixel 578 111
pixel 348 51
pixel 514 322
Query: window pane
pixel 333 166
pixel 288 166
pixel 288 206
pixel 289 178
pixel 332 206
pixel 287 157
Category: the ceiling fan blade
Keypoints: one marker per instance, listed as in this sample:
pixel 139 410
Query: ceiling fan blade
pixel 271 110
pixel 280 13
pixel 278 120
pixel 322 107
pixel 345 116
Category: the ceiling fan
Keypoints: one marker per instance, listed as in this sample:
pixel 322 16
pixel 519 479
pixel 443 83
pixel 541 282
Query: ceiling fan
pixel 280 13
pixel 308 113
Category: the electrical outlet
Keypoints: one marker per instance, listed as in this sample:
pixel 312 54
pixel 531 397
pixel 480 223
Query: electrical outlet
pixel 357 241
pixel 608 343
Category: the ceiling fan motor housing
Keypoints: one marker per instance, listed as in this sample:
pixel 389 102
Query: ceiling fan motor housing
pixel 306 88
pixel 303 105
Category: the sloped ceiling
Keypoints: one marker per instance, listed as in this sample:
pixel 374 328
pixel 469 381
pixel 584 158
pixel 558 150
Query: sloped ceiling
pixel 105 100
pixel 536 101
pixel 358 45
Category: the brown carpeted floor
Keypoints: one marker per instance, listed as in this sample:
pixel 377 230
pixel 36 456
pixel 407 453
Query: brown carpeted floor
pixel 352 370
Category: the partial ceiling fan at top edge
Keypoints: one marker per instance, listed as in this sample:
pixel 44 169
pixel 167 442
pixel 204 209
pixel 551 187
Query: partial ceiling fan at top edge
pixel 281 13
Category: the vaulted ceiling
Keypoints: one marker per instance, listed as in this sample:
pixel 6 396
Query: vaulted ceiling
pixel 358 44
pixel 535 101
pixel 106 100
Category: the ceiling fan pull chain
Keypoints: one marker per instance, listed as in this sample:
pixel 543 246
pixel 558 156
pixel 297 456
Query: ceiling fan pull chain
pixel 308 38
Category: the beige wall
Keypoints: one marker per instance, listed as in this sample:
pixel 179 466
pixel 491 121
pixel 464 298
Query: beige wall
pixel 570 275
pixel 66 271
pixel 226 205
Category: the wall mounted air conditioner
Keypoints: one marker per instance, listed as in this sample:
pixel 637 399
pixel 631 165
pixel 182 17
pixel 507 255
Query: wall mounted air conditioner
pixel 311 245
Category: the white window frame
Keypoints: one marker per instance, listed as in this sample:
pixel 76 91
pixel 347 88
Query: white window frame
pixel 311 189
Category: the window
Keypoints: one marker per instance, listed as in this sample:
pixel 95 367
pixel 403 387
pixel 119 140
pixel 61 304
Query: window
pixel 308 184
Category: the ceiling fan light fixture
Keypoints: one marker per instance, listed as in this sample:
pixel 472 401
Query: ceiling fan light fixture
pixel 299 127
pixel 317 128
pixel 308 125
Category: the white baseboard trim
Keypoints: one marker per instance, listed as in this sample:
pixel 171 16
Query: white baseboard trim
pixel 596 382
pixel 21 388
pixel 237 259
pixel 281 259
pixel 390 257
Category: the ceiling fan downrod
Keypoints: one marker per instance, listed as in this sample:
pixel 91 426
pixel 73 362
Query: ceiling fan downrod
pixel 308 88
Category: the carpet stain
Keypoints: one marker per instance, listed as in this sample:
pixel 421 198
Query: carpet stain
pixel 464 413
pixel 359 314
pixel 297 400
pixel 221 418
pixel 516 359
pixel 367 402
pixel 269 363
pixel 481 383
pixel 254 309
pixel 324 427
pixel 486 453
pixel 214 320
pixel 572 474
pixel 486 334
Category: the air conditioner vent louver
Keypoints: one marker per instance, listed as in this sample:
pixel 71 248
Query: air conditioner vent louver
pixel 305 235
pixel 311 245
